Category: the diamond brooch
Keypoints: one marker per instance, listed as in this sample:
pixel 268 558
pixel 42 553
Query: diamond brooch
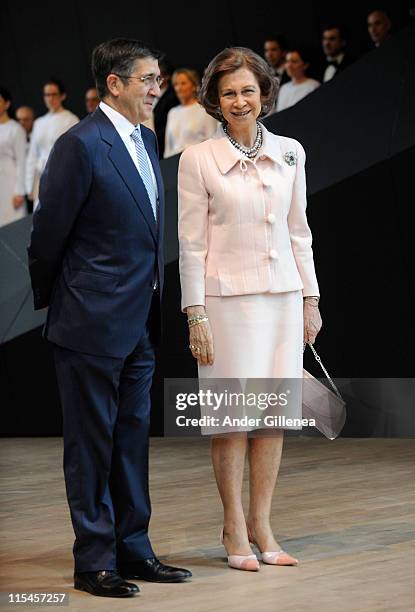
pixel 290 157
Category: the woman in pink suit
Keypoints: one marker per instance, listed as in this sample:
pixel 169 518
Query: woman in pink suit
pixel 247 275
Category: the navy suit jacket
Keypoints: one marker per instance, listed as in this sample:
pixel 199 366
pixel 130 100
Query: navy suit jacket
pixel 95 247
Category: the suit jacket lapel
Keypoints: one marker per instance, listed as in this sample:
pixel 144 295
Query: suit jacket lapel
pixel 126 168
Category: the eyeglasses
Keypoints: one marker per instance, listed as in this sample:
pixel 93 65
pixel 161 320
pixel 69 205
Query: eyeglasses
pixel 149 80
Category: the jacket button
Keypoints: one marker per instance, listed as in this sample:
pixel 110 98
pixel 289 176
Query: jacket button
pixel 271 218
pixel 262 157
pixel 273 254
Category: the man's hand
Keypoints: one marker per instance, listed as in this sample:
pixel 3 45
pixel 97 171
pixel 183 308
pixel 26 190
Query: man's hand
pixel 18 200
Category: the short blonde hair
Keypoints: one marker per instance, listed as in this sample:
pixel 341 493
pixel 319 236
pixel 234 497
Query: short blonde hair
pixel 227 61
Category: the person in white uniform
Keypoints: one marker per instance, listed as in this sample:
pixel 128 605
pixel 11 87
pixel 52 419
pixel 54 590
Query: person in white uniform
pixel 46 131
pixel 188 123
pixel 25 115
pixel 247 275
pixel 300 85
pixel 12 164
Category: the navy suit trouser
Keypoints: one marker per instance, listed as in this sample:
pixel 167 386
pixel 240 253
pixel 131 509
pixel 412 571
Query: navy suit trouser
pixel 106 420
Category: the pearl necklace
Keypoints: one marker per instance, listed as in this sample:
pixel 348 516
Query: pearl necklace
pixel 248 151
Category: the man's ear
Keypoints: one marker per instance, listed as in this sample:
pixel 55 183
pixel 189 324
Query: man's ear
pixel 113 85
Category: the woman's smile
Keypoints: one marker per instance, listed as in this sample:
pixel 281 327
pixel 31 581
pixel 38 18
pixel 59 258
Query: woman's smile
pixel 241 113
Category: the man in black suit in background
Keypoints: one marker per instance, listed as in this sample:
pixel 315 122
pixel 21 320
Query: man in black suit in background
pixel 334 43
pixel 379 27
pixel 275 50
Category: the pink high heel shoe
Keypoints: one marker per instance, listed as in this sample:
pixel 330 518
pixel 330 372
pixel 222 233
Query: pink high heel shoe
pixel 275 557
pixel 242 562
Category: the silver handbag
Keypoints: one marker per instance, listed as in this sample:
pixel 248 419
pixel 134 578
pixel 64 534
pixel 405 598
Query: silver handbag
pixel 326 407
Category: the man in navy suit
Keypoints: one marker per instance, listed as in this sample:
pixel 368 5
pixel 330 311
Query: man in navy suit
pixel 96 259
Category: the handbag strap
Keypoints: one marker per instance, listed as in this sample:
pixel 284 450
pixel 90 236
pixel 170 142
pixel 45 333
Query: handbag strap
pixel 318 359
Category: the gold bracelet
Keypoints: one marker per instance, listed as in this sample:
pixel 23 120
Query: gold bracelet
pixel 193 322
pixel 314 302
pixel 197 317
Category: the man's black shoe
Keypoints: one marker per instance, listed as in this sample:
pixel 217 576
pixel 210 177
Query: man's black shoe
pixel 153 571
pixel 106 583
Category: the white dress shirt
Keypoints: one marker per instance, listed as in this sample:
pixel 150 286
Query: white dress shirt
pixel 125 128
pixel 280 71
pixel 331 70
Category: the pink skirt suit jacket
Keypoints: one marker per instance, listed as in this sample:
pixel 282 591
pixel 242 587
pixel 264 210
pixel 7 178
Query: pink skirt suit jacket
pixel 246 252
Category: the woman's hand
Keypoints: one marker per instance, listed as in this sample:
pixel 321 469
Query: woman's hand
pixel 312 321
pixel 200 337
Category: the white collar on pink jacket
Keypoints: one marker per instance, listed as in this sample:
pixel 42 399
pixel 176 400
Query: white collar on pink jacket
pixel 226 155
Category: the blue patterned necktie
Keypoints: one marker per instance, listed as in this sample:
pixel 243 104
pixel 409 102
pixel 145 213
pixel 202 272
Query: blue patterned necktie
pixel 145 171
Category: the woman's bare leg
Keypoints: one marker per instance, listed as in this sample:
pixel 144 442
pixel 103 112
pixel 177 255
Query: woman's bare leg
pixel 264 453
pixel 228 458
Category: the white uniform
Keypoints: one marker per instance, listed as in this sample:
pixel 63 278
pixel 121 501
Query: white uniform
pixel 46 131
pixel 187 125
pixel 12 170
pixel 291 93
